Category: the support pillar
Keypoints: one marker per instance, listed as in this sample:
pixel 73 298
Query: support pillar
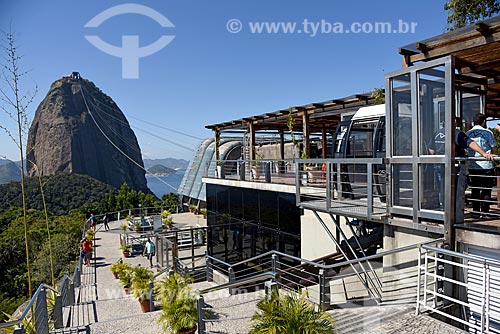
pixel 306 134
pixel 323 142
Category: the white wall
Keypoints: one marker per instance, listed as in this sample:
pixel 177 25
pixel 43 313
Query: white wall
pixel 314 240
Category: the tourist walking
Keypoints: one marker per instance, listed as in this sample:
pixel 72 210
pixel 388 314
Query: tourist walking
pixel 149 251
pixel 482 173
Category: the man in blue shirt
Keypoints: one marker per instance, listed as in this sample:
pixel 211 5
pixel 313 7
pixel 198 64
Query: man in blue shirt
pixel 482 173
pixel 149 250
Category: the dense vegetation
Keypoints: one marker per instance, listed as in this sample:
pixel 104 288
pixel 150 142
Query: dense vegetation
pixel 65 235
pixel 63 192
pixel 70 198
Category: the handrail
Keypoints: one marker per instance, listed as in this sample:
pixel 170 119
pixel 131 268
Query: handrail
pixel 330 266
pixel 28 307
pixel 234 284
pixel 162 271
pixel 461 255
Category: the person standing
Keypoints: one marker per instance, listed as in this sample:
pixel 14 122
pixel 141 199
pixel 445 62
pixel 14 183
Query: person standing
pixel 106 221
pixel 482 173
pixel 149 250
pixel 86 249
pixel 462 143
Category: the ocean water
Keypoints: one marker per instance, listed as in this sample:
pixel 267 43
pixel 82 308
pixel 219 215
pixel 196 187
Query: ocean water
pixel 159 188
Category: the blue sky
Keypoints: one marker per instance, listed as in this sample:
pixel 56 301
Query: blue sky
pixel 207 74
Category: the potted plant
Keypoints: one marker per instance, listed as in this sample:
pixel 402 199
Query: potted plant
pixel 193 208
pixel 221 172
pixel 125 275
pixel 115 268
pixel 256 166
pixel 89 234
pixel 178 301
pixel 125 250
pixel 141 277
pixel 204 213
pixel 167 219
pixel 124 227
pixel 137 226
pixel 290 314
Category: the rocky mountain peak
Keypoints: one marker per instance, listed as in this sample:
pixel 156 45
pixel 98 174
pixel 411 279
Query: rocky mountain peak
pixel 79 129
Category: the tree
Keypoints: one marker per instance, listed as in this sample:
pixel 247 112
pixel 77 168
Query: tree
pixel 465 12
pixel 15 104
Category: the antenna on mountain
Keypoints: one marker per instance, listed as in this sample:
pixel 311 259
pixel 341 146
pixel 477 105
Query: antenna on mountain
pixel 75 75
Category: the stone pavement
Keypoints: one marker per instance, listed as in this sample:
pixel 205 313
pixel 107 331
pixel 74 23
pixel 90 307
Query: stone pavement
pixel 116 311
pixel 109 310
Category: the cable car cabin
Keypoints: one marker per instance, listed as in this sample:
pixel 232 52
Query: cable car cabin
pixel 363 136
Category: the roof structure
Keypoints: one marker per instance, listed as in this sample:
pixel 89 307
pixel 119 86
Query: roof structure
pixel 476 49
pixel 321 115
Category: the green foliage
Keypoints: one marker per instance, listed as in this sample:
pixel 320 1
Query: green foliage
pixel 63 192
pixel 379 95
pixel 65 232
pixel 125 274
pixel 178 302
pixel 141 277
pixel 289 314
pixel 465 12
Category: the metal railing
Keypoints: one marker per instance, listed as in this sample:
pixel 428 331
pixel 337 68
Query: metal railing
pixel 35 316
pixel 398 283
pixel 203 309
pixel 262 170
pixel 354 187
pixel 459 287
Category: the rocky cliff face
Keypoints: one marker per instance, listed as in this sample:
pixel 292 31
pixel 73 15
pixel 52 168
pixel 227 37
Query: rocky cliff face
pixel 65 136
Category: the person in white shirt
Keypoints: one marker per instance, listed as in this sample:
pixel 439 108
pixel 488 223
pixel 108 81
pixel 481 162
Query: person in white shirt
pixel 482 173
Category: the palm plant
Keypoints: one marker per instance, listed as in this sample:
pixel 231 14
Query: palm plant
pixel 141 277
pixel 290 314
pixel 125 274
pixel 178 302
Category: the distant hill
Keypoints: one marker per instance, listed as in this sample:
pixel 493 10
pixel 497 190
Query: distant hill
pixel 9 171
pixel 160 170
pixel 63 192
pixel 168 162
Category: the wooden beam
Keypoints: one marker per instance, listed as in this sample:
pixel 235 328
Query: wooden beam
pixel 455 46
pixel 306 135
pixel 422 46
pixel 323 142
pixel 483 28
pixel 252 141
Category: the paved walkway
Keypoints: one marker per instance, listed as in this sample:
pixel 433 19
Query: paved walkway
pixel 116 311
pixel 108 309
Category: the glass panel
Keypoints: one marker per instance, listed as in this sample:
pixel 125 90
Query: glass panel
pixel 360 144
pixel 236 201
pixel 471 105
pixel 401 113
pixel 269 208
pixel 289 214
pixel 433 179
pixel 402 185
pixel 431 103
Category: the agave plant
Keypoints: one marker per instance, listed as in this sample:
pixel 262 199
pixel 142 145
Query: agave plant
pixel 290 314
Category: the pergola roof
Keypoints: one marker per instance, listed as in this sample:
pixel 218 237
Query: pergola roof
pixel 321 115
pixel 476 49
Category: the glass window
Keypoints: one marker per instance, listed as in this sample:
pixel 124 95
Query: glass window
pixel 433 179
pixel 402 185
pixel 401 113
pixel 431 103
